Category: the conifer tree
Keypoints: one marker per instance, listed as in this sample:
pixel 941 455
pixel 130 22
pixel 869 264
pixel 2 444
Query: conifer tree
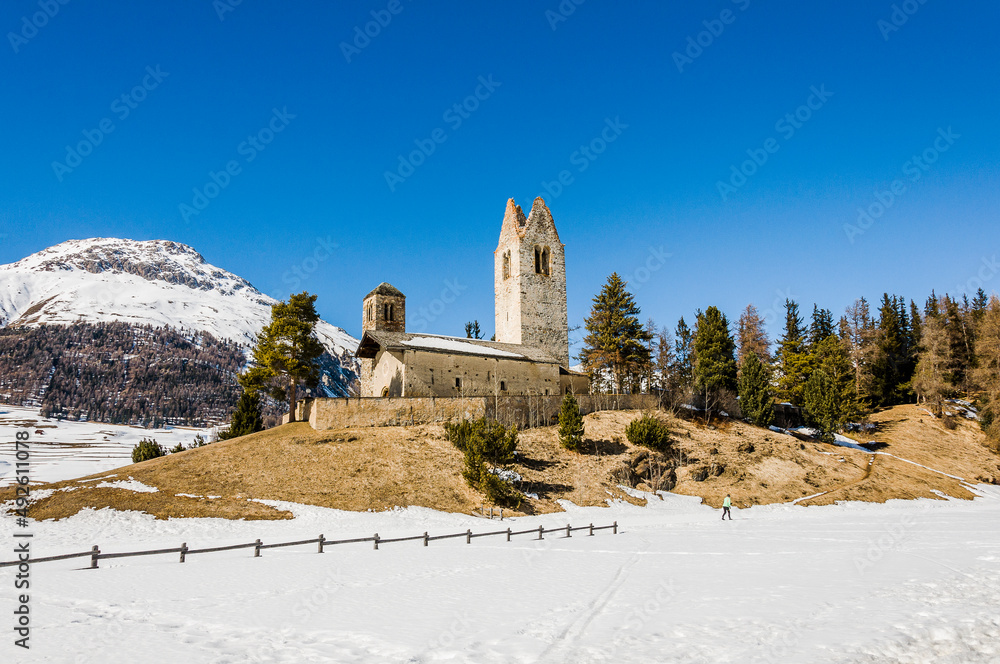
pixel 472 330
pixel 683 367
pixel 821 326
pixel 616 340
pixel 756 398
pixel 247 418
pixel 960 346
pixel 285 353
pixel 793 358
pixel 820 405
pixel 831 357
pixel 715 360
pixel 916 327
pixel 890 379
pixel 570 424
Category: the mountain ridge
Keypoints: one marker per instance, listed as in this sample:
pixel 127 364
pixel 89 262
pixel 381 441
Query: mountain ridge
pixel 157 283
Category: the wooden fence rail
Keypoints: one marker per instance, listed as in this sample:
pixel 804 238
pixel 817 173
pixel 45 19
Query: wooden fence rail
pixel 95 554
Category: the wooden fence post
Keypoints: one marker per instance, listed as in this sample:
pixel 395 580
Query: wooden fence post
pixel 508 534
pixel 591 530
pixel 94 552
pixel 468 536
pixel 569 533
pixel 425 538
pixel 614 528
pixel 184 548
pixel 541 531
pixel 321 540
pixel 256 549
pixel 501 514
pixel 376 541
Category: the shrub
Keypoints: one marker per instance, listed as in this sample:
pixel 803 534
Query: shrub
pixel 179 447
pixel 950 422
pixel 488 448
pixel 494 442
pixel 199 441
pixel 570 424
pixel 649 431
pixel 147 449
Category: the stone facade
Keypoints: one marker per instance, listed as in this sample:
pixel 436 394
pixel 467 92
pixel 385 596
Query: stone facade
pixel 524 411
pixel 413 365
pixel 530 281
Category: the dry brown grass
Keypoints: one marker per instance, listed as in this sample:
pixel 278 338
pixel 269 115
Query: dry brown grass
pixel 384 467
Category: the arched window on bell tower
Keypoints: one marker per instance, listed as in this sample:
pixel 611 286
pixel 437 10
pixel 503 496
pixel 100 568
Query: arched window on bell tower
pixel 506 264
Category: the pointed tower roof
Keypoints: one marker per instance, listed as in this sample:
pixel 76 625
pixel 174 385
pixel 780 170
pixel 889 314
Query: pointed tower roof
pixel 541 215
pixel 514 221
pixel 385 289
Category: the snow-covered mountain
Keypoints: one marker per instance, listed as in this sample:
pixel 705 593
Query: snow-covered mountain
pixel 155 282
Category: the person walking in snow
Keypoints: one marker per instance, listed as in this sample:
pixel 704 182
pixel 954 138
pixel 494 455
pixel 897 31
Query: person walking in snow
pixel 726 504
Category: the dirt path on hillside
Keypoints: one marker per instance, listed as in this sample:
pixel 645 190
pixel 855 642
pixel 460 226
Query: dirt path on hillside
pixel 864 478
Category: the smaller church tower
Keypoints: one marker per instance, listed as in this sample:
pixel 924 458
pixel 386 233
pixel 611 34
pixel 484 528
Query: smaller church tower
pixel 384 310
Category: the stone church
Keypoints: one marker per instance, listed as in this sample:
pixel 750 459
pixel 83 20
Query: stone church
pixel 531 351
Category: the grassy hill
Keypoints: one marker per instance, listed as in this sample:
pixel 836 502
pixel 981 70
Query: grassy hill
pixel 385 467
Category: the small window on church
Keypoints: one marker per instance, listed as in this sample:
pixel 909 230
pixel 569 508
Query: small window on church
pixel 538 260
pixel 503 386
pixel 392 313
pixel 458 382
pixel 545 261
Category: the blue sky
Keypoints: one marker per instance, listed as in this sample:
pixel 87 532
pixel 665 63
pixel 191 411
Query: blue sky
pixel 200 79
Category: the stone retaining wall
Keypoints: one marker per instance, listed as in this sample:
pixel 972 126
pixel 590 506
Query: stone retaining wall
pixel 524 411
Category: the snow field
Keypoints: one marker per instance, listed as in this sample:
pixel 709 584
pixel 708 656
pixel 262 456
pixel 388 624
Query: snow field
pixel 76 449
pixel 905 581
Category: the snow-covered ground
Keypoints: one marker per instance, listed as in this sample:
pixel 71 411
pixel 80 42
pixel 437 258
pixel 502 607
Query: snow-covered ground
pixel 907 581
pixel 73 449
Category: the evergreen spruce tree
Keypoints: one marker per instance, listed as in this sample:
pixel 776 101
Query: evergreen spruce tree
pixel 831 356
pixel 286 351
pixel 821 326
pixel 756 398
pixel 247 418
pixel 820 407
pixel 616 340
pixel 890 381
pixel 792 358
pixel 932 307
pixel 958 340
pixel 472 330
pixel 570 424
pixel 683 367
pixel 916 327
pixel 715 359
